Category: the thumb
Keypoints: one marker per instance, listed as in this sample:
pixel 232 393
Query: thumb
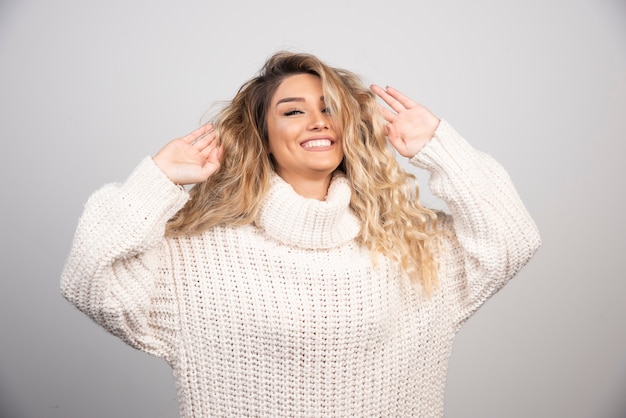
pixel 213 161
pixel 393 137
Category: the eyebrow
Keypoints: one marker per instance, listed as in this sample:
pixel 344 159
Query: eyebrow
pixel 294 99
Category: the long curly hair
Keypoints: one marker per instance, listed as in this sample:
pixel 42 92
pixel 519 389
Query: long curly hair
pixel 385 197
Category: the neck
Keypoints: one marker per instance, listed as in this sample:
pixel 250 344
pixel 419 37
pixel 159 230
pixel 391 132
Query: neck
pixel 312 187
pixel 292 219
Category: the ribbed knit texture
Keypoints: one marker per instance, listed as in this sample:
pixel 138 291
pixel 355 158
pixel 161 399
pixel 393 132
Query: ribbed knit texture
pixel 288 317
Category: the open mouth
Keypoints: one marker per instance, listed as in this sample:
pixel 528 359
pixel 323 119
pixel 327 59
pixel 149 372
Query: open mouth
pixel 317 143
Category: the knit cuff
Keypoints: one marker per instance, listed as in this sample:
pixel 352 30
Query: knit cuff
pixel 153 192
pixel 447 151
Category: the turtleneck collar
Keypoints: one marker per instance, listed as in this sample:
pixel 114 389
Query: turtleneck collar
pixel 309 223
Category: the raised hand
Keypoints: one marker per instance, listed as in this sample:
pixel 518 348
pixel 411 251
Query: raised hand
pixel 192 158
pixel 410 125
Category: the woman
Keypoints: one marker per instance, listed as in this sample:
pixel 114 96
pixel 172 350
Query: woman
pixel 301 276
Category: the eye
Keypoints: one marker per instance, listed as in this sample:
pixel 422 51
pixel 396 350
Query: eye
pixel 293 112
pixel 326 110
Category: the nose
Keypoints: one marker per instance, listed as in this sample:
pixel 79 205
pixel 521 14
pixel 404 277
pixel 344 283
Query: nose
pixel 319 121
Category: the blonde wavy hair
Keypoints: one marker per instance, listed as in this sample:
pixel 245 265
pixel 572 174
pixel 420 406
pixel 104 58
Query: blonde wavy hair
pixel 385 198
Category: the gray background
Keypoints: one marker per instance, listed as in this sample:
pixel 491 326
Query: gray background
pixel 89 88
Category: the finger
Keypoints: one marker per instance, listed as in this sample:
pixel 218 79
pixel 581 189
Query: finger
pixel 387 98
pixel 207 135
pixel 393 138
pixel 388 115
pixel 216 154
pixel 209 147
pixel 213 160
pixel 205 140
pixel 404 100
pixel 198 133
pixel 391 131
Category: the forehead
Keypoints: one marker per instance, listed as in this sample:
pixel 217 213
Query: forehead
pixel 298 86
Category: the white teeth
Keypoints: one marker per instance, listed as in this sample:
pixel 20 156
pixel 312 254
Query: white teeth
pixel 317 143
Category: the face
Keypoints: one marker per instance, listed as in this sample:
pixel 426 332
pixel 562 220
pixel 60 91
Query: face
pixel 302 136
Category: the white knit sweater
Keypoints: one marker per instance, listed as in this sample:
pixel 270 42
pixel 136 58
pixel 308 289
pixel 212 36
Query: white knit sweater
pixel 288 317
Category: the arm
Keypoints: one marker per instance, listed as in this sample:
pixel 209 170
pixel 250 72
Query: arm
pixel 494 236
pixel 118 269
pixel 112 273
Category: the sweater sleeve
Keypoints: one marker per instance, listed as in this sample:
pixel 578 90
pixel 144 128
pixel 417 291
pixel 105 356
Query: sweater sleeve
pixel 493 236
pixel 117 270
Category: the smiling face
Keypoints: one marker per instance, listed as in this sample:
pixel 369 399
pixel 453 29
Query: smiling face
pixel 301 132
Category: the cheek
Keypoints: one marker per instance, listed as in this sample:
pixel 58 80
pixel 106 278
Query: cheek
pixel 273 136
pixel 281 135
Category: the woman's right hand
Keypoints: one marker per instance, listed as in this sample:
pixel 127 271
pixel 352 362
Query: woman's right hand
pixel 192 158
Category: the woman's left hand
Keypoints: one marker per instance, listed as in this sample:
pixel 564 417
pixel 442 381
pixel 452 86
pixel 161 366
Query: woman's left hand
pixel 411 126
